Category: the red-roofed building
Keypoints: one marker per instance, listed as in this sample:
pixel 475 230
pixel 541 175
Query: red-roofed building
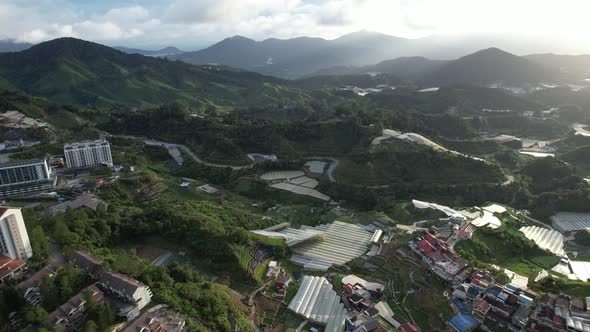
pixel 463 234
pixel 425 246
pixel 480 309
pixel 429 236
pixel 435 254
pixel 348 288
pixel 9 268
pixel 409 327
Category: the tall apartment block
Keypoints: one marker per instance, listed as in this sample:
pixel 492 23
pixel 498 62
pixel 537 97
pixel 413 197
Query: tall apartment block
pixel 88 154
pixel 14 239
pixel 22 177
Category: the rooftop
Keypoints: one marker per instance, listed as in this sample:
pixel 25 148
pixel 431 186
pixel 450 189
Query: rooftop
pixel 23 163
pixel 121 282
pixel 463 322
pixel 8 265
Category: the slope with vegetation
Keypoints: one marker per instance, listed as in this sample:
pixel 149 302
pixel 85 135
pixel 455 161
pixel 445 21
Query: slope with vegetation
pixel 80 72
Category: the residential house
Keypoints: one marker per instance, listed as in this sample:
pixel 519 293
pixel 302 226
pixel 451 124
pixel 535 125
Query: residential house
pixel 409 327
pixel 521 317
pixel 10 268
pixel 283 281
pixel 72 315
pixel 480 309
pixel 127 289
pixel 87 262
pixel 435 253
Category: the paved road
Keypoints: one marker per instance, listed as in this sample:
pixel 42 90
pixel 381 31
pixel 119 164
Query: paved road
pixel 334 162
pixel 191 154
pixel 538 222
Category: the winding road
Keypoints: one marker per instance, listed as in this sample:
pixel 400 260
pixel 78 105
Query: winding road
pixel 330 172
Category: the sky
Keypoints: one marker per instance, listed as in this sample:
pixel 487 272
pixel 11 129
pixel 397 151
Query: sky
pixel 192 24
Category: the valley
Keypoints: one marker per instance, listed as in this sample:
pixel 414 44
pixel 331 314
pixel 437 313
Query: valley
pixel 406 195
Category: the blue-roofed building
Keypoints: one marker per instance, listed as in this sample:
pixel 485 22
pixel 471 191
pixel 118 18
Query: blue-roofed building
pixel 512 288
pixel 472 294
pixel 460 306
pixel 463 323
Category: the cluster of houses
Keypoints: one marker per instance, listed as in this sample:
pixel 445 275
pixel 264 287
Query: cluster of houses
pixel 561 313
pixel 127 295
pixel 479 298
pixel 365 315
pixel 281 279
pixel 435 253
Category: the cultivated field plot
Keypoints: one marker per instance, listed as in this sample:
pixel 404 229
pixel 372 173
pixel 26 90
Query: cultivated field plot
pixel 570 221
pixel 545 238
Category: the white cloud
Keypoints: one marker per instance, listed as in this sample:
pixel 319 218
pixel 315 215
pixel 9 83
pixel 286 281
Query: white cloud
pixel 182 21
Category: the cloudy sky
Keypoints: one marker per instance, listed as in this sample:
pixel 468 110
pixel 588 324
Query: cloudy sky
pixel 195 23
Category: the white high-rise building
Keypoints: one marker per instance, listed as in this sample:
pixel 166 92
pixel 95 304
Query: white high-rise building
pixel 88 154
pixel 14 239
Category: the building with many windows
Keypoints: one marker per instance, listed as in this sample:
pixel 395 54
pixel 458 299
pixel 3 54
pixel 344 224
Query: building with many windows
pixel 128 290
pixel 17 178
pixel 14 239
pixel 88 154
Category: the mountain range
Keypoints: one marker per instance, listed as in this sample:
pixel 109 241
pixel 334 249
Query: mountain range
pixel 81 72
pixel 361 51
pixel 74 71
pixel 10 45
pixel 164 52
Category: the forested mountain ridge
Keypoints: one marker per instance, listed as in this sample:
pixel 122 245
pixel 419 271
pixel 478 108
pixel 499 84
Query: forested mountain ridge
pixel 295 57
pixel 490 66
pixel 79 72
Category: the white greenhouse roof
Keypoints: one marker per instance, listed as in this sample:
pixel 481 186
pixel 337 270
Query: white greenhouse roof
pixel 495 208
pixel 353 280
pixel 342 242
pixel 570 221
pixel 281 175
pixel 333 244
pixel 318 302
pixel 442 208
pixel 545 238
pixel 291 235
pixel 581 270
pixel 488 219
pixel 316 166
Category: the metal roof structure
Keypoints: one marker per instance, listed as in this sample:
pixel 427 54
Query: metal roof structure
pixel 570 221
pixel 545 238
pixel 281 175
pixel 342 242
pixel 320 247
pixel 318 302
pixel 292 236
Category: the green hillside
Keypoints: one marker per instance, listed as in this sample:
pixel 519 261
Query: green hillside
pixel 403 161
pixel 80 72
